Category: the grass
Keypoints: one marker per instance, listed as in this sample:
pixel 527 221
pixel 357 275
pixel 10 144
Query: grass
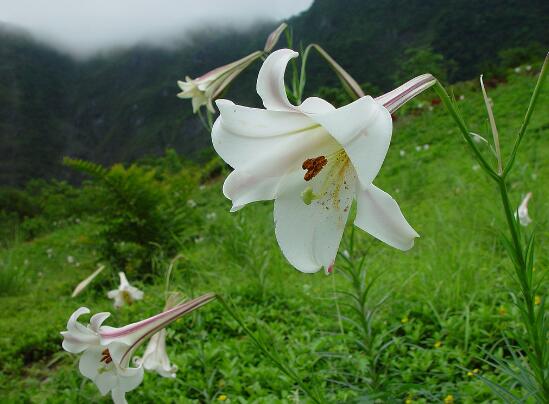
pixel 447 298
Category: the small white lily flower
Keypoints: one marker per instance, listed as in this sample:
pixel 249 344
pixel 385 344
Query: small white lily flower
pixel 156 358
pixel 517 69
pixel 107 351
pixel 313 160
pixel 528 68
pixel 402 153
pixel 425 147
pixel 418 148
pixel 211 216
pixel 522 211
pixel 207 87
pixel 125 294
pixel 191 203
pixel 70 259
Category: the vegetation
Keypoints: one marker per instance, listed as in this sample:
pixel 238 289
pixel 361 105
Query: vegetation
pixel 421 326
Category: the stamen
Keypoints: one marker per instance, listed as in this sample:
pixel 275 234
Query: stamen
pixel 106 356
pixel 313 167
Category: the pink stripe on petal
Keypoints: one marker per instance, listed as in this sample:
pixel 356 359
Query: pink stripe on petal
pixel 166 316
pixel 399 96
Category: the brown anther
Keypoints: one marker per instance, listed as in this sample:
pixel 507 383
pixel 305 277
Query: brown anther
pixel 313 166
pixel 106 356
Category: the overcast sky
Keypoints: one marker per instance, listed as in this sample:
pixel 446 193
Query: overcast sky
pixel 84 27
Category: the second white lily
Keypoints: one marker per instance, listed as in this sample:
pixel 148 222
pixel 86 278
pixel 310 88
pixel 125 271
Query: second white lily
pixel 107 351
pixel 313 160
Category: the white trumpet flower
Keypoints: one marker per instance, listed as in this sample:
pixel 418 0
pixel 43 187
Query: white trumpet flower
pixel 125 294
pixel 313 160
pixel 155 358
pixel 107 351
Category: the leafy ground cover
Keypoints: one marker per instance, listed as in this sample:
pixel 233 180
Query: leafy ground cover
pixel 440 307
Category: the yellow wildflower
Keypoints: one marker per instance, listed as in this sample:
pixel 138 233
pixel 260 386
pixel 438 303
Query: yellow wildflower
pixel 437 344
pixel 474 372
pixel 537 300
pixel 404 319
pixel 449 399
pixel 222 397
pixel 502 310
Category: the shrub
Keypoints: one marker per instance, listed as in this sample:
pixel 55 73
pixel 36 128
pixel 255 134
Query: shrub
pixel 142 212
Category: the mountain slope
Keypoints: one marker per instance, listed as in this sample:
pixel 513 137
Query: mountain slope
pixel 121 106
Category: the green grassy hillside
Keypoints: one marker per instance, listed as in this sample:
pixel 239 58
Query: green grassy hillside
pixel 446 299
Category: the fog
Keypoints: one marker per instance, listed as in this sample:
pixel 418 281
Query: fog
pixel 84 28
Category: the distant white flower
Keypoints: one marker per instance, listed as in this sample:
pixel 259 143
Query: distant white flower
pixel 402 153
pixel 425 147
pixel 418 148
pixel 517 69
pixel 125 294
pixel 204 89
pixel 461 97
pixel 70 259
pixel 528 68
pixel 346 254
pixel 107 351
pixel 202 187
pixel 476 167
pixel 49 252
pixel 199 240
pixel 522 211
pixel 191 203
pixel 313 160
pixel 211 216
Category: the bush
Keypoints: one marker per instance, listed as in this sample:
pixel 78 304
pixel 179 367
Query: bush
pixel 142 212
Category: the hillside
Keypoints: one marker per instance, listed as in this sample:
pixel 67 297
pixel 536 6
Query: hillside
pixel 122 106
pixel 446 301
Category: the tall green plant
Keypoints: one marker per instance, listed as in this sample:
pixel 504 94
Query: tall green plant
pixel 529 366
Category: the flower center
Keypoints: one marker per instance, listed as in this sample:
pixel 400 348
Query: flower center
pixel 106 356
pixel 127 297
pixel 313 167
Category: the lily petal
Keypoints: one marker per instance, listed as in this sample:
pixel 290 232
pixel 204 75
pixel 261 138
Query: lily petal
pixel 242 188
pixel 309 235
pixel 270 81
pixel 364 129
pixel 267 143
pixel 379 214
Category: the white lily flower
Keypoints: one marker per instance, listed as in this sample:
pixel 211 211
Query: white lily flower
pixel 106 351
pixel 313 160
pixel 207 87
pixel 522 211
pixel 156 358
pixel 125 294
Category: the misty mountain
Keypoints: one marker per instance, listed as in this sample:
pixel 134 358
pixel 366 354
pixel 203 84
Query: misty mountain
pixel 121 106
